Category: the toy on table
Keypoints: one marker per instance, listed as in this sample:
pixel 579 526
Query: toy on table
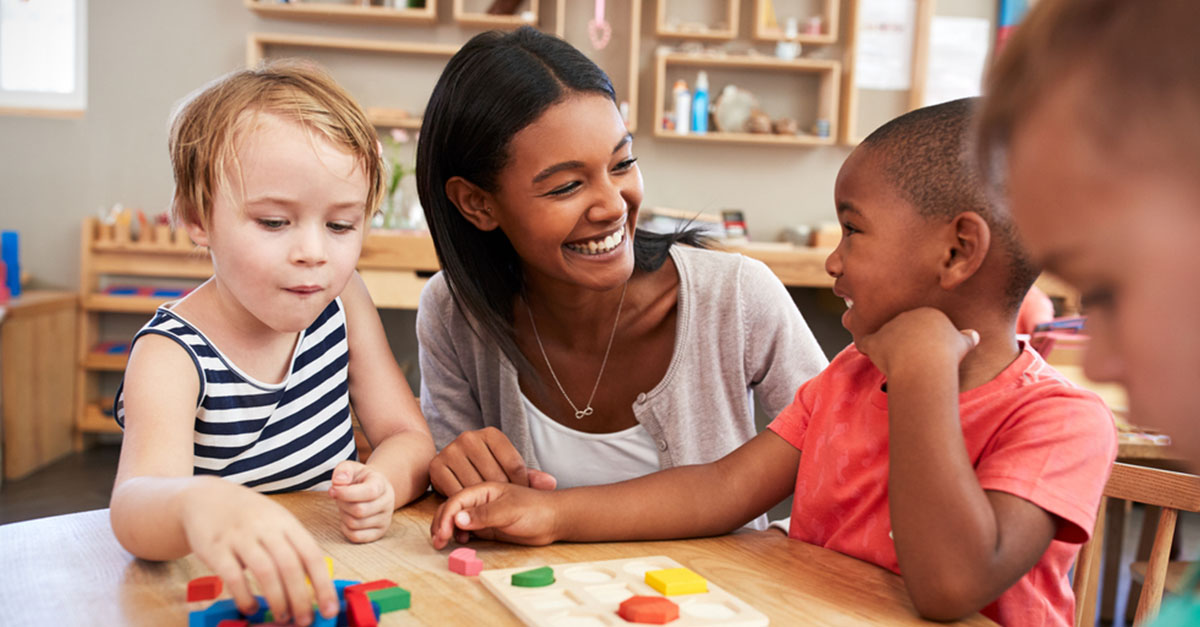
pixel 464 562
pixel 146 291
pixel 361 604
pixel 595 590
pixel 653 610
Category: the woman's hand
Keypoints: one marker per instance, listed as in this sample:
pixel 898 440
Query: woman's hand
pixel 365 499
pixel 233 529
pixel 483 455
pixel 500 511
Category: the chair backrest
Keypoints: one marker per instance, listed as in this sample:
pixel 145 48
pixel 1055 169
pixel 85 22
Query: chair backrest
pixel 1172 491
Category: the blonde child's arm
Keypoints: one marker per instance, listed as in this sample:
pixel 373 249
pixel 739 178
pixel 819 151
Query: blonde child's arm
pixel 397 470
pixel 959 546
pixel 160 511
pixel 682 502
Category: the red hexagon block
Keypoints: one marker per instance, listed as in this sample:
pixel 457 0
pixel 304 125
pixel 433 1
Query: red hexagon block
pixel 647 609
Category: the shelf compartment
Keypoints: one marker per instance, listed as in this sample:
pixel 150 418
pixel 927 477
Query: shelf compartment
pixel 393 118
pixel 732 10
pixel 829 25
pixel 105 361
pixel 122 304
pixel 826 72
pixel 96 421
pixel 529 17
pixel 312 12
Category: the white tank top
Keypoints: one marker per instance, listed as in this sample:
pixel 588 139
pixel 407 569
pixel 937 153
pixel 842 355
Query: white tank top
pixel 576 458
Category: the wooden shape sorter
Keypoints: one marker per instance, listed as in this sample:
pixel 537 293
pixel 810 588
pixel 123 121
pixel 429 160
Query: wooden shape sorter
pixel 589 593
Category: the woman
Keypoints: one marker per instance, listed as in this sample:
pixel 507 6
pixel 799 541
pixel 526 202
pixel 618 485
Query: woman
pixel 559 345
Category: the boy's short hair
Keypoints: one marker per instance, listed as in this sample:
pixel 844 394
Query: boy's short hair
pixel 928 156
pixel 206 125
pixel 1140 61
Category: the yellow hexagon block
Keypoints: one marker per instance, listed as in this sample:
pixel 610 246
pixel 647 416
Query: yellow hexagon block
pixel 673 581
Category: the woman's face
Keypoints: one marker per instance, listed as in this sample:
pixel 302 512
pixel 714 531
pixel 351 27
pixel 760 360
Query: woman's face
pixel 569 195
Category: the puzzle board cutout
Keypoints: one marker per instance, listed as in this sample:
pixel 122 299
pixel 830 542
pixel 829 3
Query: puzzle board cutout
pixel 586 594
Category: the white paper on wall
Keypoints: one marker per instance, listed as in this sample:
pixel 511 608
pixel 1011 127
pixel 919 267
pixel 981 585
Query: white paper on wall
pixel 958 49
pixel 883 54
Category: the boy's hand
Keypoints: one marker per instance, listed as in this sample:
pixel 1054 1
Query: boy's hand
pixel 483 455
pixel 366 500
pixel 501 511
pixel 916 338
pixel 231 528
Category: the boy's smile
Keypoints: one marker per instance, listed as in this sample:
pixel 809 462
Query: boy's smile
pixel 881 265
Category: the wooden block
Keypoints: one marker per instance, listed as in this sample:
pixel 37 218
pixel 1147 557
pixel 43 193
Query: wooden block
pixel 204 588
pixel 391 599
pixel 536 578
pixel 672 581
pixel 464 562
pixel 647 609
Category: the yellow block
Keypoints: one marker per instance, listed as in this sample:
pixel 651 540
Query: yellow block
pixel 672 581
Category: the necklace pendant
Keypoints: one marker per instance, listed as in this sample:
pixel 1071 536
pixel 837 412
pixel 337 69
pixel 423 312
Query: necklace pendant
pixel 580 414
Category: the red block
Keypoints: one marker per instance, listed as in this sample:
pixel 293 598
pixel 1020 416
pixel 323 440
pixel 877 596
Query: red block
pixel 229 622
pixel 647 609
pixel 359 606
pixel 204 588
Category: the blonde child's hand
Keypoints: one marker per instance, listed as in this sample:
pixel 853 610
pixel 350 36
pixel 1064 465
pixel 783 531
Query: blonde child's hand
pixel 500 511
pixel 233 529
pixel 483 455
pixel 916 339
pixel 366 500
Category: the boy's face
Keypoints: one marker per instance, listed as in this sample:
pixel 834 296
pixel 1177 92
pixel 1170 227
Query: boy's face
pixel 287 235
pixel 886 261
pixel 1123 226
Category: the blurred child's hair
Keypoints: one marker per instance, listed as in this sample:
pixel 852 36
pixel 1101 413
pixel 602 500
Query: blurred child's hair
pixel 928 155
pixel 206 126
pixel 1138 60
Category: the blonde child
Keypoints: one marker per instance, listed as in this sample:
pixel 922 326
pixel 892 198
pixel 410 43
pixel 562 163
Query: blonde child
pixel 936 427
pixel 244 386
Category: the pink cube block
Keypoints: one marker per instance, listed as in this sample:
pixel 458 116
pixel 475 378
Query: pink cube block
pixel 464 562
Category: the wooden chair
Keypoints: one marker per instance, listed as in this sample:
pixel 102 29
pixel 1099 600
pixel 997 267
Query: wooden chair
pixel 1172 491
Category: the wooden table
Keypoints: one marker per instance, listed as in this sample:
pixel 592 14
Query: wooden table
pixel 69 570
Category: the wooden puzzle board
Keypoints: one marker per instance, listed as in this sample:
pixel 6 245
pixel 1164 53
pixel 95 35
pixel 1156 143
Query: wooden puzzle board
pixel 586 594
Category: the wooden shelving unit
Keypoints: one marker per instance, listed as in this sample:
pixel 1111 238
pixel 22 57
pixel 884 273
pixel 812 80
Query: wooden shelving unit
pixel 828 72
pixel 663 28
pixel 829 25
pixel 474 19
pixel 313 12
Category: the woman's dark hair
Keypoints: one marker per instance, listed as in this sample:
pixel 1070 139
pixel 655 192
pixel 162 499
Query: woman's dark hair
pixel 492 88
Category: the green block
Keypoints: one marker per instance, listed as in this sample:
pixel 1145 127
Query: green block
pixel 536 578
pixel 391 599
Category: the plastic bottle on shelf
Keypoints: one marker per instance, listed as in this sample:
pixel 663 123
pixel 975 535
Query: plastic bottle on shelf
pixel 683 106
pixel 700 104
pixel 788 48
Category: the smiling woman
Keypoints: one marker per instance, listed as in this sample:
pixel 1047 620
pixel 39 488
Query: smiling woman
pixel 560 345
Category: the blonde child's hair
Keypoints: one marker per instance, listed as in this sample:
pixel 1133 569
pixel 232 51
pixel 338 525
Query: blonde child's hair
pixel 206 126
pixel 1140 61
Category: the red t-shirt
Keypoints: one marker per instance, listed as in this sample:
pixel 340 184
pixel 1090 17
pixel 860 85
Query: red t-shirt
pixel 1029 432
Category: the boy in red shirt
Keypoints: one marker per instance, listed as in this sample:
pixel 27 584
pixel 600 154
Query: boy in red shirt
pixel 935 428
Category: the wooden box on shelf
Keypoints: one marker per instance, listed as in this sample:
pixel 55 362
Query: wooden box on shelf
pixel 665 26
pixel 827 73
pixel 819 29
pixel 520 17
pixel 347 12
pixel 107 251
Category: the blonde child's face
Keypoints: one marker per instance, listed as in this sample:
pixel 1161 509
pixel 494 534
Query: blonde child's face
pixel 286 236
pixel 882 265
pixel 1124 228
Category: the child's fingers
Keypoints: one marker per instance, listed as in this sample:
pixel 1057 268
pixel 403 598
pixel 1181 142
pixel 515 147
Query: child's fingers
pixel 363 492
pixel 360 530
pixel 259 562
pixel 229 568
pixel 313 561
pixel 291 577
pixel 442 527
pixel 345 473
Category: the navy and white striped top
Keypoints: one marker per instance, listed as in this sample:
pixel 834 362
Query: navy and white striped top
pixel 273 438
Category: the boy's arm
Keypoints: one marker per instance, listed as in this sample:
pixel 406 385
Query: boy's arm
pixel 686 501
pixel 959 547
pixel 382 400
pixel 159 511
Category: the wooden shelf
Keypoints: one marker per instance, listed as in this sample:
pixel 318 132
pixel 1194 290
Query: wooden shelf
pixel 344 12
pixel 393 118
pixel 829 26
pixel 105 361
pixel 256 44
pixel 500 22
pixel 828 72
pixel 732 10
pixel 96 421
pixel 122 304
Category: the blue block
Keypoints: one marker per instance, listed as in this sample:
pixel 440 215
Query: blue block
pixel 321 621
pixel 259 616
pixel 10 253
pixel 343 617
pixel 167 293
pixel 123 291
pixel 213 614
pixel 341 584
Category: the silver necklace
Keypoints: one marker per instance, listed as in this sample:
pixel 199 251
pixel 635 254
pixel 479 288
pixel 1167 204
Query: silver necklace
pixel 586 411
